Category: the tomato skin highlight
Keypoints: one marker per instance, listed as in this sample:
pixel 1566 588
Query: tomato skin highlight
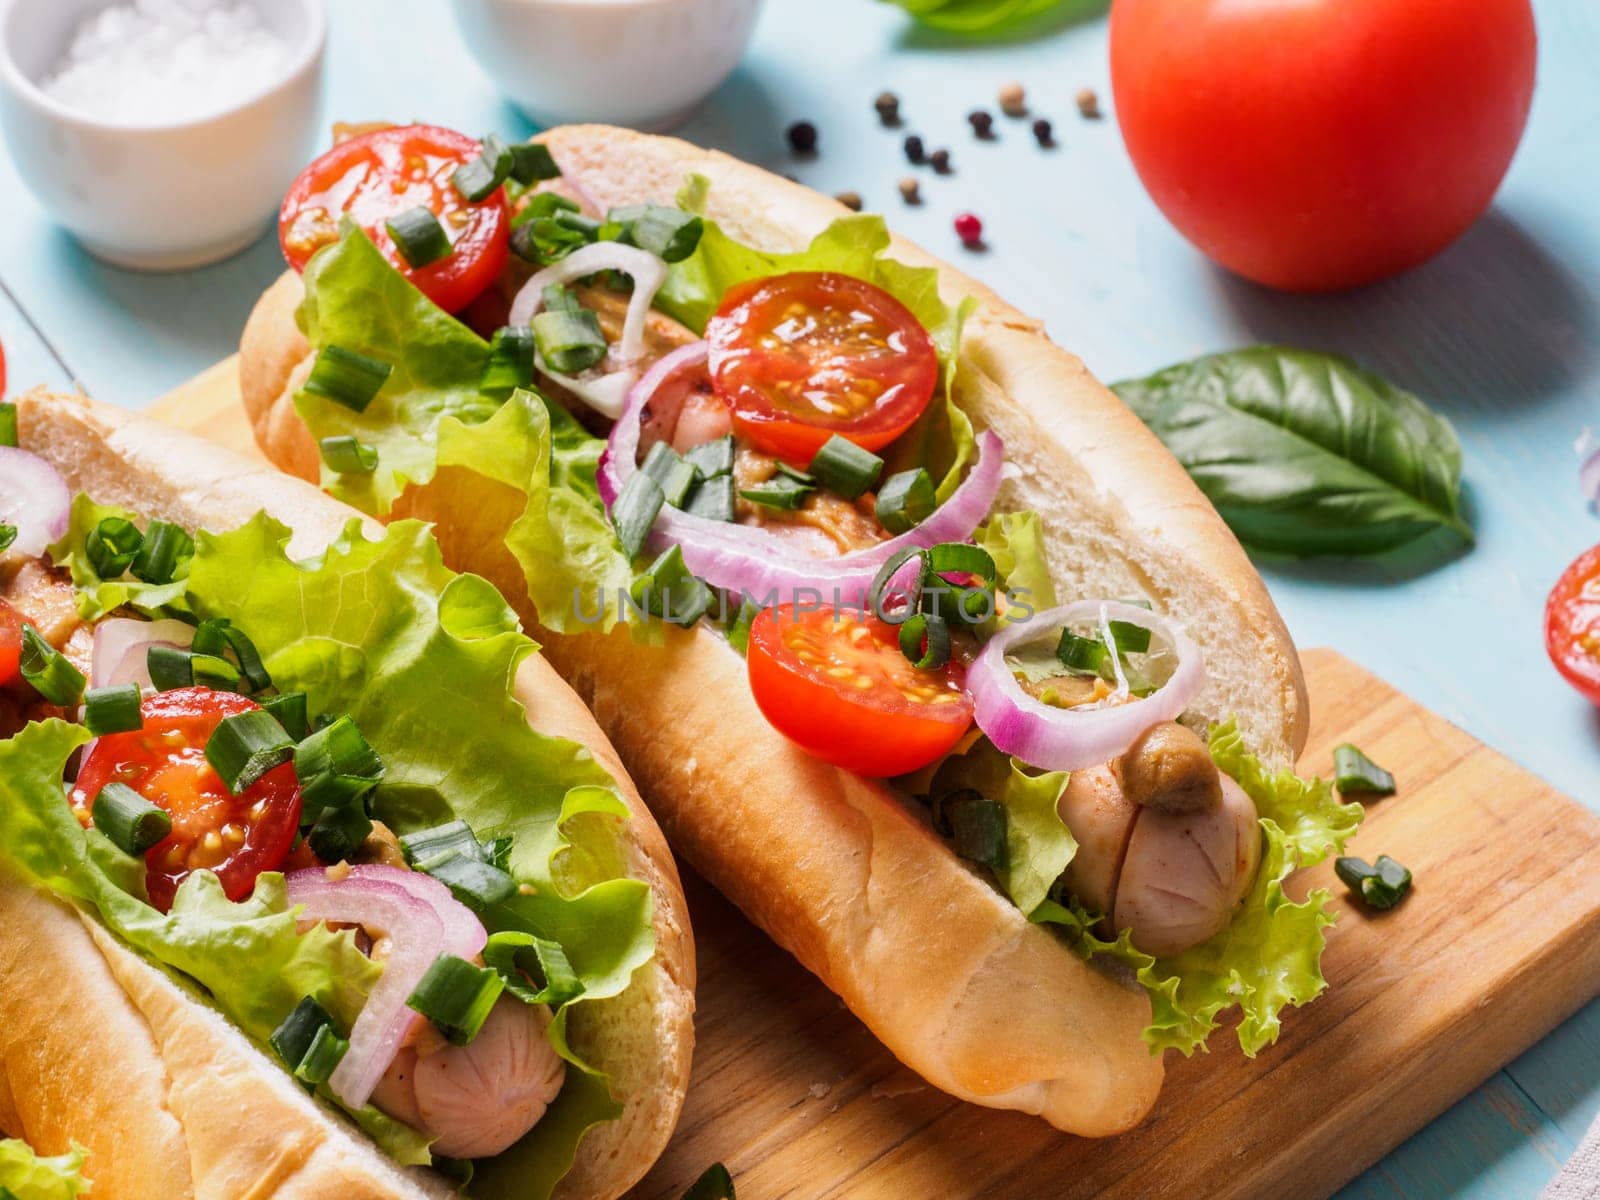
pixel 862 718
pixel 1572 624
pixel 165 763
pixel 10 644
pixel 379 174
pixel 803 356
pixel 1317 144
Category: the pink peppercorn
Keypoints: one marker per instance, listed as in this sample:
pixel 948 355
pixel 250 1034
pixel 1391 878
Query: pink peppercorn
pixel 969 229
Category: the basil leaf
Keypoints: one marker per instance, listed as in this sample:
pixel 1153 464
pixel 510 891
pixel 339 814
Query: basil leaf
pixel 1306 453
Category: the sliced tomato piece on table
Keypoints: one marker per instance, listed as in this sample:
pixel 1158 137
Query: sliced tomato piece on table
pixel 10 643
pixel 238 837
pixel 804 356
pixel 381 174
pixel 837 685
pixel 1572 624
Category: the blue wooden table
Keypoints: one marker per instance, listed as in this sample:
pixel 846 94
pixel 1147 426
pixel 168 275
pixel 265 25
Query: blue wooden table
pixel 1502 333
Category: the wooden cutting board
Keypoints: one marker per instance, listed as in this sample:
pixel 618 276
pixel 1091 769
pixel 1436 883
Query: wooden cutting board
pixel 1498 942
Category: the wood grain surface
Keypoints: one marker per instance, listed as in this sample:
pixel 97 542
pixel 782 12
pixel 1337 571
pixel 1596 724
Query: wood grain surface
pixel 1498 942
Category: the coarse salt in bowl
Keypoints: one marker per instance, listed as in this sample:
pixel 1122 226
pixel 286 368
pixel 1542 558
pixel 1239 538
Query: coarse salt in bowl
pixel 162 133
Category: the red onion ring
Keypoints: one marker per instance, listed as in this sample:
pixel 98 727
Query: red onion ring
pixel 421 920
pixel 34 499
pixel 122 648
pixel 1070 739
pixel 758 564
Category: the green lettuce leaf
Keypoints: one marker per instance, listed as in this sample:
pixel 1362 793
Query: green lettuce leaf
pixel 1016 543
pixel 27 1176
pixel 97 597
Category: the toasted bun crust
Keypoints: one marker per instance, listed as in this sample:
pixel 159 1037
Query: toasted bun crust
pixel 102 1048
pixel 834 867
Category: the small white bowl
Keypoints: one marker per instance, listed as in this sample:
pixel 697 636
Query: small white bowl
pixel 644 63
pixel 158 197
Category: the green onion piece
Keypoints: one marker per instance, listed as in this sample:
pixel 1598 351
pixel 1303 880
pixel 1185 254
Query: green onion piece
pixel 845 469
pixel 518 957
pixel 1130 638
pixel 418 236
pixel 48 670
pixel 293 1038
pixel 543 205
pixel 668 590
pixel 713 458
pixel 510 364
pixel 1381 885
pixel 348 455
pixel 111 545
pixel 958 558
pixel 531 163
pixel 456 996
pixel 346 377
pixel 8 534
pixel 245 746
pixel 453 837
pixel 172 668
pixel 675 474
pixel 669 233
pixel 474 882
pixel 321 1057
pixel 131 822
pixel 220 637
pixel 8 425
pixel 906 500
pixel 218 674
pixel 973 606
pixel 112 709
pixel 975 825
pixel 738 625
pixel 1081 655
pixel 163 553
pixel 289 710
pixel 477 180
pixel 545 240
pixel 781 491
pixel 1355 773
pixel 636 510
pixel 925 641
pixel 335 766
pixel 569 342
pixel 713 499
pixel 714 1184
pixel 878 592
pixel 337 832
pixel 796 475
pixel 587 227
pixel 560 298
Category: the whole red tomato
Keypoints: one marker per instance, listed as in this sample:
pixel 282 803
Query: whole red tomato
pixel 1319 144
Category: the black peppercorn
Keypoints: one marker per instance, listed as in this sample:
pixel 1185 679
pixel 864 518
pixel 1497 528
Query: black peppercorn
pixel 1044 133
pixel 851 200
pixel 915 154
pixel 982 123
pixel 802 137
pixel 940 159
pixel 888 106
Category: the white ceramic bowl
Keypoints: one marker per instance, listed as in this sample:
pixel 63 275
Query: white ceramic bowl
pixel 644 63
pixel 158 196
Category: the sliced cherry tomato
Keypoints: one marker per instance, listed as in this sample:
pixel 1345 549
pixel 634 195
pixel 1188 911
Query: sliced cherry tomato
pixel 377 175
pixel 10 643
pixel 804 356
pixel 837 686
pixel 1572 624
pixel 238 837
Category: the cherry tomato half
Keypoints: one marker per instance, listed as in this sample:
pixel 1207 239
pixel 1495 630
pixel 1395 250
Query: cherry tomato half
pixel 238 837
pixel 1317 144
pixel 837 686
pixel 804 356
pixel 380 174
pixel 1572 624
pixel 10 643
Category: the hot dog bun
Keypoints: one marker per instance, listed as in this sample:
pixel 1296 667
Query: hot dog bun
pixel 946 972
pixel 102 1048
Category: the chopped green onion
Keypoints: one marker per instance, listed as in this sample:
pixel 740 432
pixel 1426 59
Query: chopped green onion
pixel 322 1056
pixel 171 668
pixel 1130 638
pixel 635 512
pixel 1081 655
pixel 477 180
pixel 112 709
pixel 545 240
pixel 293 1038
pixel 163 552
pixel 337 832
pixel 845 469
pixel 714 1184
pixel 49 671
pixel 796 475
pixel 675 475
pixel 453 837
pixel 975 825
pixel 586 227
pixel 713 458
pixel 669 233
pixel 474 882
pixel 8 534
pixel 456 996
pixel 906 500
pixel 8 425
pixel 346 377
pixel 958 558
pixel 781 491
pixel 878 591
pixel 738 625
pixel 668 590
pixel 925 641
pixel 531 162
pixel 510 364
pixel 219 636
pixel 348 455
pixel 570 342
pixel 517 957
pixel 289 710
pixel 418 236
pixel 245 746
pixel 111 546
pixel 335 766
pixel 543 205
pixel 1382 884
pixel 713 499
pixel 1355 773
pixel 131 822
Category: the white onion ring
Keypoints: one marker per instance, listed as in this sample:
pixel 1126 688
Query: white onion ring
pixel 754 562
pixel 122 648
pixel 1071 739
pixel 606 392
pixel 421 922
pixel 34 499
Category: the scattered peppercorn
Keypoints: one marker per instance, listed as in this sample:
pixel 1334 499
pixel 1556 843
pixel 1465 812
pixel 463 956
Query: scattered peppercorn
pixel 851 200
pixel 982 123
pixel 1013 100
pixel 940 160
pixel 803 137
pixel 910 190
pixel 1044 133
pixel 1088 104
pixel 915 154
pixel 969 229
pixel 888 106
